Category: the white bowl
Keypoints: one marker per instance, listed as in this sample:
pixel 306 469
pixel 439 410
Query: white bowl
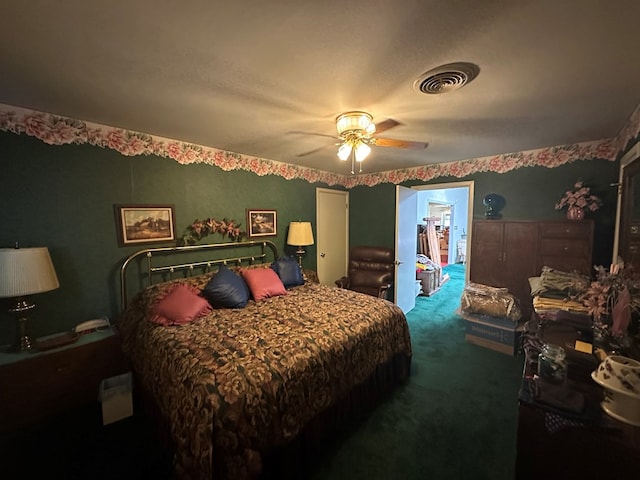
pixel 619 403
pixel 619 373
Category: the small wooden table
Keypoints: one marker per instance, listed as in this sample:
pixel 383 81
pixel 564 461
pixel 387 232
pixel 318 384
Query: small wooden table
pixel 553 444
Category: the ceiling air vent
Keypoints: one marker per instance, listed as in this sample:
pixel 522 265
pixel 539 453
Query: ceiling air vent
pixel 446 78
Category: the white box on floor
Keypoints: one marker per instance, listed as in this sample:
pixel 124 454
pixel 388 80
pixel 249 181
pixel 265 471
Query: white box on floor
pixel 499 334
pixel 116 399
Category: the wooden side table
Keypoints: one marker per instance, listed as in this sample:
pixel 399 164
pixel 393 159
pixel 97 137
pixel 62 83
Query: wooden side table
pixel 552 444
pixel 37 387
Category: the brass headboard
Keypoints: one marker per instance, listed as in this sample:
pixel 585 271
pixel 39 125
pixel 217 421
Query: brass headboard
pixel 260 247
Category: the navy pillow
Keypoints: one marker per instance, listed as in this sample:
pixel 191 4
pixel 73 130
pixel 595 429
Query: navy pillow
pixel 289 271
pixel 226 289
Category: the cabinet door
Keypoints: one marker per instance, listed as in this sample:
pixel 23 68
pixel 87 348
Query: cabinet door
pixel 520 261
pixel 503 254
pixel 487 253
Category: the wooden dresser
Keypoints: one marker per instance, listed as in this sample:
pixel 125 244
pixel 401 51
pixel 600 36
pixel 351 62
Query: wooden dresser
pixel 506 253
pixel 566 246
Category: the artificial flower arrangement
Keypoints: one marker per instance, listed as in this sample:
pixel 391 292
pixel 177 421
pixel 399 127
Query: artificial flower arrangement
pixel 201 228
pixel 580 196
pixel 613 299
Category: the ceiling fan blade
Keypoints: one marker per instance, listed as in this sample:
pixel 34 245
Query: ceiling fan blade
pixel 304 154
pixel 391 142
pixel 300 132
pixel 386 125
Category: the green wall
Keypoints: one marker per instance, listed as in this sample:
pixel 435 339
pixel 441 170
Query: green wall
pixel 63 197
pixel 530 193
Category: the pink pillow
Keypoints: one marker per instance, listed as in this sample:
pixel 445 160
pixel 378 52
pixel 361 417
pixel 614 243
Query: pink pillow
pixel 182 305
pixel 263 283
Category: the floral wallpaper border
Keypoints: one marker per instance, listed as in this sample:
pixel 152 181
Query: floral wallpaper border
pixel 57 130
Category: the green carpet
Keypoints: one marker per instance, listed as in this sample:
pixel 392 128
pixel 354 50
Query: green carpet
pixel 456 418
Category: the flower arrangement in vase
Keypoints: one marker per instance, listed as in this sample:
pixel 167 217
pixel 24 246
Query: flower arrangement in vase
pixel 579 200
pixel 613 300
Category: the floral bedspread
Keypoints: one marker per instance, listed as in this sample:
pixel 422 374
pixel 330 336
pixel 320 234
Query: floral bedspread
pixel 238 382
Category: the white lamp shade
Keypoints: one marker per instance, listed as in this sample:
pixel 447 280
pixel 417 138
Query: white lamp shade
pixel 25 271
pixel 344 151
pixel 362 151
pixel 300 234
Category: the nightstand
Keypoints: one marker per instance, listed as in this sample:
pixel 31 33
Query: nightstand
pixel 38 387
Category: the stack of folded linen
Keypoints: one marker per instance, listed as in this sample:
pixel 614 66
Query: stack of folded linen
pixel 555 290
pixel 542 305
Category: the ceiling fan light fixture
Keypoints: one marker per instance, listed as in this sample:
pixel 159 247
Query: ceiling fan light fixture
pixel 344 151
pixel 357 122
pixel 371 129
pixel 362 151
pixel 358 133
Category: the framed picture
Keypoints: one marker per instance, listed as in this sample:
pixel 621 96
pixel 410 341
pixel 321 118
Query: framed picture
pixel 143 224
pixel 261 223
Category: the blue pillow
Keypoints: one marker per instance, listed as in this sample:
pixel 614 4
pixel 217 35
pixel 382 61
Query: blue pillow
pixel 226 289
pixel 289 271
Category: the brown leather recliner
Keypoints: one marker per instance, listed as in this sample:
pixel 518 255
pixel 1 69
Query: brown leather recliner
pixel 370 271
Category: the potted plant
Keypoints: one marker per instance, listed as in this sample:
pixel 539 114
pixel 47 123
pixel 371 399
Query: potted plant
pixel 579 200
pixel 613 300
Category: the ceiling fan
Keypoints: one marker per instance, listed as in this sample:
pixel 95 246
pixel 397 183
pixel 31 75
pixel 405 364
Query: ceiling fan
pixel 357 133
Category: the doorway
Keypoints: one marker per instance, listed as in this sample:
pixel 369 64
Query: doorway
pixel 332 232
pixel 439 214
pixel 627 236
pixel 459 197
pixel 452 205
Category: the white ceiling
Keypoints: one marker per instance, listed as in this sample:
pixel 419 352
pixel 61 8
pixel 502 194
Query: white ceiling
pixel 264 78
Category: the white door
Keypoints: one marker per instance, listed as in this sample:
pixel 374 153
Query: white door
pixel 406 247
pixel 332 232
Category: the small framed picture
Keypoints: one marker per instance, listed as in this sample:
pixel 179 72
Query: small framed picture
pixel 144 224
pixel 261 223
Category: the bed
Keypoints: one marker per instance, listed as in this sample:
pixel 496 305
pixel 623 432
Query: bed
pixel 237 387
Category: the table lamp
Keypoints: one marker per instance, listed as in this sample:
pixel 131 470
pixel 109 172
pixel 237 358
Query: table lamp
pixel 300 235
pixel 24 272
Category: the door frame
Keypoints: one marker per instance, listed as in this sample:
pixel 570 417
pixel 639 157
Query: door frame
pixel 630 157
pixel 469 184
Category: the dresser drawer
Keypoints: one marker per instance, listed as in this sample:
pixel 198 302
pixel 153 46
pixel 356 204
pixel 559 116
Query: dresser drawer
pixel 566 230
pixel 49 384
pixel 570 247
pixel 566 263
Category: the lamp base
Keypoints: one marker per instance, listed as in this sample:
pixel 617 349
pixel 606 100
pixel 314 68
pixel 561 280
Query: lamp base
pixel 300 252
pixel 23 340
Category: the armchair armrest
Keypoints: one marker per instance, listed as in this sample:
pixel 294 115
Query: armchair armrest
pixel 382 293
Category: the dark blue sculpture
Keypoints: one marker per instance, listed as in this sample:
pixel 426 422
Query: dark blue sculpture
pixel 493 203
